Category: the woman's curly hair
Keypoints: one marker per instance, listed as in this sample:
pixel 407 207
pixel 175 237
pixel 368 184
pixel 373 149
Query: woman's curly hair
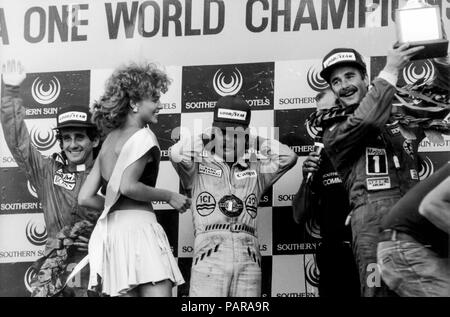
pixel 131 83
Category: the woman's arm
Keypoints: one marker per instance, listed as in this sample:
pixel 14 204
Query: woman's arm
pixel 131 187
pixel 88 196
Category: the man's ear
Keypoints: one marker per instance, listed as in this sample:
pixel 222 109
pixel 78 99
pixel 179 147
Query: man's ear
pixel 96 141
pixel 366 80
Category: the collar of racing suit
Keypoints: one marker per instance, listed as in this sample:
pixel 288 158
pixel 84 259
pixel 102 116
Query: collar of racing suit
pixel 60 158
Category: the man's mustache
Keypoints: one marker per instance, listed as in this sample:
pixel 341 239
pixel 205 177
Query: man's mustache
pixel 347 90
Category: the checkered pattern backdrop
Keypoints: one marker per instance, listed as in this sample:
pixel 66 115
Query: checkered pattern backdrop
pixel 281 95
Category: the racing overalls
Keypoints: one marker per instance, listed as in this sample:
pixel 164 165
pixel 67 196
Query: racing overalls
pixel 225 199
pixel 378 165
pixel 56 187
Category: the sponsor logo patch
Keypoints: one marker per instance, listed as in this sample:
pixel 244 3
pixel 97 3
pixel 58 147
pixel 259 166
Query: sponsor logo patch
pixel 339 57
pixel 65 180
pixel 202 169
pixel 231 114
pixel 376 161
pixel 408 147
pixel 377 183
pixel 330 179
pixel 205 204
pixel 245 174
pixel 251 205
pixel 414 174
pixel 231 206
pixel 73 115
pixel 395 131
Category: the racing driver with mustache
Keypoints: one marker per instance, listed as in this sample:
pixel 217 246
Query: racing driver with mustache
pixel 377 161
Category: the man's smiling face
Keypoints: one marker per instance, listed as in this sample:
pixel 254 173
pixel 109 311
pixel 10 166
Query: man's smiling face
pixel 349 84
pixel 77 145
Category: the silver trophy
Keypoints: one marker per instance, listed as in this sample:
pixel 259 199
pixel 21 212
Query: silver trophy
pixel 420 24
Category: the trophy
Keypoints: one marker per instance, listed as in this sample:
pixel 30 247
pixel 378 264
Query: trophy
pixel 419 23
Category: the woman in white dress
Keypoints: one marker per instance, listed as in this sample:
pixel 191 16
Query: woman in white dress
pixel 128 250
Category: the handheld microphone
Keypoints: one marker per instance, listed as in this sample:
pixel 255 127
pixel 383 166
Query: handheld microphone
pixel 318 147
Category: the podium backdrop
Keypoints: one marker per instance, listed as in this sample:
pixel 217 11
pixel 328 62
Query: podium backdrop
pixel 269 51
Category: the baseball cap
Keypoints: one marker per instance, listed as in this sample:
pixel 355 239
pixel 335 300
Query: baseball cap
pixel 341 57
pixel 74 116
pixel 231 111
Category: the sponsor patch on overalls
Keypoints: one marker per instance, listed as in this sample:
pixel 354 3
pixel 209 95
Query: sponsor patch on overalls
pixel 376 161
pixel 377 183
pixel 245 174
pixel 65 180
pixel 251 205
pixel 414 174
pixel 231 206
pixel 408 147
pixel 395 131
pixel 202 169
pixel 330 179
pixel 205 204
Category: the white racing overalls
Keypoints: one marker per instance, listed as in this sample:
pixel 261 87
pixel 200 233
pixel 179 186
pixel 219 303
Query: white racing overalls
pixel 225 199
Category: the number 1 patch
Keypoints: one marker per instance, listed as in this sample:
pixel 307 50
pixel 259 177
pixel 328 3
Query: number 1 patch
pixel 376 161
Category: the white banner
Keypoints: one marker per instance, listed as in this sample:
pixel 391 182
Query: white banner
pixel 190 32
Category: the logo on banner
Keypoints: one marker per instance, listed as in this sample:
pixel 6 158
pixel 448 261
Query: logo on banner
pixel 227 85
pixel 29 276
pixel 31 189
pixel 312 131
pixel 36 234
pixel 43 140
pixel 316 82
pixel 45 93
pixel 415 72
pixel 202 85
pixel 312 273
pixel 426 168
pixel 313 228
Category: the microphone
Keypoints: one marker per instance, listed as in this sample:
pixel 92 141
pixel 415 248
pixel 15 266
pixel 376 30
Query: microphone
pixel 318 148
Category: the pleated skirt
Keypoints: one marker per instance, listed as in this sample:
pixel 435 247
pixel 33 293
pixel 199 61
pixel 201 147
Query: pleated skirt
pixel 137 252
